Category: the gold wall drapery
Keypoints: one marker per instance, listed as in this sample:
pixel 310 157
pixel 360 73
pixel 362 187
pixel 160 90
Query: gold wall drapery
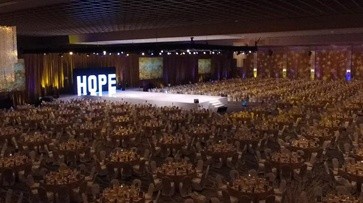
pixel 52 74
pixel 329 62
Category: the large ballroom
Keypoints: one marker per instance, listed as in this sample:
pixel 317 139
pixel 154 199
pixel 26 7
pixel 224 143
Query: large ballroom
pixel 192 101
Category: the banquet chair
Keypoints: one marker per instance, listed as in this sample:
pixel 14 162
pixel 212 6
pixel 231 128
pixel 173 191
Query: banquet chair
pixel 318 192
pixel 199 149
pixel 32 155
pixel 199 198
pixel 96 190
pixel 115 183
pixel 146 156
pixel 312 161
pixel 335 162
pixel 126 172
pixel 342 190
pixel 153 167
pixel 347 149
pixel 63 196
pixel 214 200
pixel 222 185
pixel 280 191
pixel 8 178
pixel 168 187
pixel 136 183
pixel 269 199
pixel 198 184
pixel 233 161
pixel 84 198
pixel 20 198
pixel 40 195
pixel 140 168
pixel 234 174
pixel 185 187
pixel 83 158
pixel 199 168
pixel 169 159
pixel 216 163
pixel 189 200
pixel 244 198
pixel 82 168
pixel 252 172
pixel 3 149
pixel 102 155
pixel 226 198
pixel 325 145
pixel 300 153
pixel 271 177
pixel 150 193
pixel 9 195
pixel 303 197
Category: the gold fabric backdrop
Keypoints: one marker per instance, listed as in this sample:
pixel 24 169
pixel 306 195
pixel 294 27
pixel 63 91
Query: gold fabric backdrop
pixel 329 62
pixel 54 72
pixel 51 74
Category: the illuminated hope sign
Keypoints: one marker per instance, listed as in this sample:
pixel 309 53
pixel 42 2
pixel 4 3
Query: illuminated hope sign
pixel 92 81
pixel 95 83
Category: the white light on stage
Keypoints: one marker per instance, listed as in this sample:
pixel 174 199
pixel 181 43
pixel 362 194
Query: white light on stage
pixel 104 52
pixel 188 50
pixel 118 54
pixel 203 52
pixel 70 53
pixel 127 54
pixel 143 53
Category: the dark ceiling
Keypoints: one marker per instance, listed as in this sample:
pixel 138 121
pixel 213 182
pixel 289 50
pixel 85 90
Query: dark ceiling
pixel 62 17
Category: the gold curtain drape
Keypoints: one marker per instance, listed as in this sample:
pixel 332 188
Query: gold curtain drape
pixel 330 63
pixel 53 73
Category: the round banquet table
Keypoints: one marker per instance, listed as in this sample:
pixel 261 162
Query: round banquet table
pixel 255 196
pixel 281 164
pixel 177 178
pixel 352 177
pixel 68 187
pixel 123 164
pixel 222 155
pixel 23 167
pixel 307 150
pixel 172 145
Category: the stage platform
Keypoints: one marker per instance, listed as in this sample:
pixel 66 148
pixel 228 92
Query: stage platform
pixel 185 101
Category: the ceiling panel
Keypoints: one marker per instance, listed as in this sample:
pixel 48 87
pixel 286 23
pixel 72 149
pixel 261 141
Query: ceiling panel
pixel 89 16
